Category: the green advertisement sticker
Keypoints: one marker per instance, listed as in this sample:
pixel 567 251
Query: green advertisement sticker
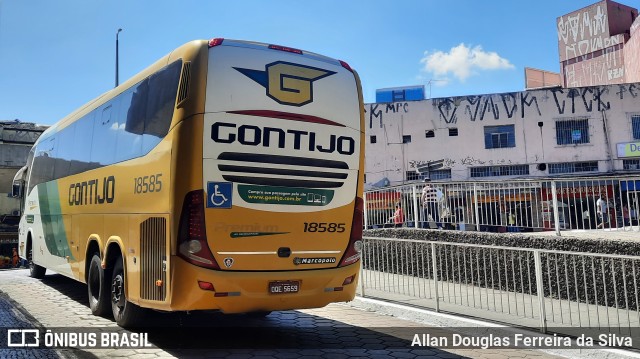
pixel 285 195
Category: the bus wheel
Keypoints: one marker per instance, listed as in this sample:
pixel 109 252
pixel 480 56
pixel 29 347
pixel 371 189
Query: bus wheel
pixel 35 271
pixel 97 288
pixel 125 313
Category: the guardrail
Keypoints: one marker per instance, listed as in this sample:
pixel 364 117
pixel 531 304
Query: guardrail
pixel 521 286
pixel 602 203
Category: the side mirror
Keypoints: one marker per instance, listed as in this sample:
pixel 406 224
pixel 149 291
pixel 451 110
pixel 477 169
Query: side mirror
pixel 16 189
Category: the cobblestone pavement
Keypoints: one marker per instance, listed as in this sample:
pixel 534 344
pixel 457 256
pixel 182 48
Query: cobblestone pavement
pixel 12 317
pixel 336 331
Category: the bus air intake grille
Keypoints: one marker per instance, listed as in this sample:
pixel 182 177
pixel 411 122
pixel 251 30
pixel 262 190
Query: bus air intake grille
pixel 153 259
pixel 183 91
pixel 282 171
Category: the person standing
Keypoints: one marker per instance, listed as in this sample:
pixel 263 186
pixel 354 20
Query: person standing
pixel 430 201
pixel 15 258
pixel 586 219
pixel 603 216
pixel 398 216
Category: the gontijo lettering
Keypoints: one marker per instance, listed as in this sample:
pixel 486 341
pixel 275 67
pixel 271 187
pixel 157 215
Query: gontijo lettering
pixel 92 192
pixel 249 135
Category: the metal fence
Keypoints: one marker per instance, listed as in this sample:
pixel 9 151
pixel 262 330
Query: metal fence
pixel 526 287
pixel 510 206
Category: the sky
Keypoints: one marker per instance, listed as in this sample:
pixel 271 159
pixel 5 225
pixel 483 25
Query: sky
pixel 57 55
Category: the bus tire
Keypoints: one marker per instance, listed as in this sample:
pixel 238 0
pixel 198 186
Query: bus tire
pixel 35 271
pixel 125 313
pixel 98 288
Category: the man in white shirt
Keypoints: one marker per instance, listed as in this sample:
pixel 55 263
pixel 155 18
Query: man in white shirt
pixel 603 215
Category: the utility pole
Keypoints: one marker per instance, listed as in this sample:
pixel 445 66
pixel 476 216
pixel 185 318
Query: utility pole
pixel 117 77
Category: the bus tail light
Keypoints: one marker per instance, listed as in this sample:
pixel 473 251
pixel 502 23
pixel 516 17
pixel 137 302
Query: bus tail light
pixel 349 280
pixel 346 65
pixel 215 42
pixel 352 254
pixel 206 286
pixel 285 49
pixel 192 236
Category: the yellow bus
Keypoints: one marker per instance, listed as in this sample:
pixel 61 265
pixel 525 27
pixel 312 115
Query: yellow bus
pixel 226 176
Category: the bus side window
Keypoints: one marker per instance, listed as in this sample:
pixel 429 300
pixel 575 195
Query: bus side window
pixel 82 145
pixel 129 144
pixel 163 87
pixel 152 103
pixel 44 162
pixel 137 110
pixel 29 175
pixel 65 151
pixel 104 135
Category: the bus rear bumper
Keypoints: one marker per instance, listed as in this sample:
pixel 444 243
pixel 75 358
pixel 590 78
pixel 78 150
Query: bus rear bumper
pixel 238 292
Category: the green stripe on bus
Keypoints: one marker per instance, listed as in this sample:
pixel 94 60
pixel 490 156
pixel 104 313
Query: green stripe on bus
pixel 52 222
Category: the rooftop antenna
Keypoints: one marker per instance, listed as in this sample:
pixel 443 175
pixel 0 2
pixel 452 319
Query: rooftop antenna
pixel 432 81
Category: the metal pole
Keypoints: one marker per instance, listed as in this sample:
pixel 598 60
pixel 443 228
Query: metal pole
pixel 416 215
pixel 475 205
pixel 364 243
pixel 540 290
pixel 554 195
pixel 434 261
pixel 117 77
pixel 366 214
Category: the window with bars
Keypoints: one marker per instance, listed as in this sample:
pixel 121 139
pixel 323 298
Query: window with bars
pixel 453 131
pixel 572 167
pixel 499 136
pixel 635 126
pixel 429 134
pixel 631 164
pixel 412 175
pixel 434 175
pixel 373 139
pixel 440 174
pixel 493 171
pixel 571 132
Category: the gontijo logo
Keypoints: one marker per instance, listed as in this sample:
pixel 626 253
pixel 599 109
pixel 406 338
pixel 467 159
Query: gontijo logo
pixel 287 83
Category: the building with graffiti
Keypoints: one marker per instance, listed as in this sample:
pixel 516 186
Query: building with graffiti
pixel 531 159
pixel 599 45
pixel 589 129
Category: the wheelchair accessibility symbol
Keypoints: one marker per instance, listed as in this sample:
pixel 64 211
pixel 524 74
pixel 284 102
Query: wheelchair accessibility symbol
pixel 219 194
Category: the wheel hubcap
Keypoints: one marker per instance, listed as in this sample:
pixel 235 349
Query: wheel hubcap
pixel 30 260
pixel 117 292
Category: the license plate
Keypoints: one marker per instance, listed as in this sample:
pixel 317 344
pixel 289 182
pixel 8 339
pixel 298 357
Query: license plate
pixel 283 287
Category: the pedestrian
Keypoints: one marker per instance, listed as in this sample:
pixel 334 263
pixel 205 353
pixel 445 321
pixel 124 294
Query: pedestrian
pixel 398 216
pixel 603 216
pixel 15 258
pixel 586 219
pixel 625 215
pixel 430 200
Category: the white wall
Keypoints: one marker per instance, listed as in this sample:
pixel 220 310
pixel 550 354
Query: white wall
pixel 612 104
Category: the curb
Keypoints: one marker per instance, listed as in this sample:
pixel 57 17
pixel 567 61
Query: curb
pixel 443 320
